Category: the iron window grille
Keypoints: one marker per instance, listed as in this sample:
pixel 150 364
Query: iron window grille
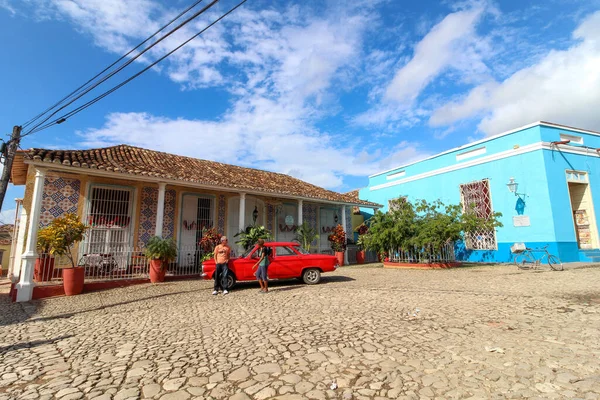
pixel 476 197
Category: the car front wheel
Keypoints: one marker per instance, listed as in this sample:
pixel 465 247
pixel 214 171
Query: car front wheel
pixel 311 276
pixel 230 280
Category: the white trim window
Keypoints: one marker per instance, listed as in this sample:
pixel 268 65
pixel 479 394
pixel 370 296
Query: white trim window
pixel 109 216
pixel 476 197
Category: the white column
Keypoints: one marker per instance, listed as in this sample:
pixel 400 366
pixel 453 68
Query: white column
pixel 300 203
pixel 160 209
pixel 344 225
pixel 25 285
pixel 242 223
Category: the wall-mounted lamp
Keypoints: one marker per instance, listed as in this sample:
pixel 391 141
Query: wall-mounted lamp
pixel 512 187
pixel 255 215
pixel 335 219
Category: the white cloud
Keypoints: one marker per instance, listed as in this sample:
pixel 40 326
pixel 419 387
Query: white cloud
pixel 281 68
pixel 438 50
pixel 6 5
pixel 450 46
pixel 563 87
pixel 7 216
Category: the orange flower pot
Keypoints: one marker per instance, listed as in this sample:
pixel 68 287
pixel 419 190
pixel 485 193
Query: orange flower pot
pixel 360 257
pixel 340 256
pixel 157 272
pixel 73 279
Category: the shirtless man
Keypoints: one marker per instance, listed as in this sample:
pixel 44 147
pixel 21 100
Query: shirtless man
pixel 222 254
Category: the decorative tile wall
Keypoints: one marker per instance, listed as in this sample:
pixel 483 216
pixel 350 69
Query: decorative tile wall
pixel 168 230
pixel 147 220
pixel 60 197
pixel 221 214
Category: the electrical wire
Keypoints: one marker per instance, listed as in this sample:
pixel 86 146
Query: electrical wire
pixel 104 79
pixel 74 92
pixel 64 117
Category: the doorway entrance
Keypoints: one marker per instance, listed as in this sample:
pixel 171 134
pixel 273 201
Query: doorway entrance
pixel 582 208
pixel 197 213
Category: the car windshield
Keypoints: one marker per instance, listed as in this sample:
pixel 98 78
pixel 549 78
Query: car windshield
pixel 300 250
pixel 247 252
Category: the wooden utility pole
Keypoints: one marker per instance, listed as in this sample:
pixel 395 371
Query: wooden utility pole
pixel 11 150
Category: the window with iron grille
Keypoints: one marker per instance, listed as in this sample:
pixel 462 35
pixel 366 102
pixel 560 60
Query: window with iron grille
pixel 476 198
pixel 109 217
pixel 394 204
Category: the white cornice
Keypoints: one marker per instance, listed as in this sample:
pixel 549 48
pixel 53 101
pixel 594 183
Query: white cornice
pixel 538 123
pixel 498 156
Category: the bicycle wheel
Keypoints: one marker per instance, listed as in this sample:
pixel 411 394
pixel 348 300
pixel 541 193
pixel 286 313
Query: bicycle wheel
pixel 524 261
pixel 555 263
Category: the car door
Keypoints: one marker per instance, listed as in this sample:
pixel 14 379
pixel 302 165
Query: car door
pixel 286 263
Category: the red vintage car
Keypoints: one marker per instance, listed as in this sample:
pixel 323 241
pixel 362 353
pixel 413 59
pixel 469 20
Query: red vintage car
pixel 288 260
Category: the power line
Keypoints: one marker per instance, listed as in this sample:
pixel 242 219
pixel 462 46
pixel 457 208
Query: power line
pixel 112 65
pixel 113 73
pixel 71 113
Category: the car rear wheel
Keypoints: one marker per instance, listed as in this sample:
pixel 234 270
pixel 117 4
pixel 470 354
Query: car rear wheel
pixel 311 276
pixel 230 280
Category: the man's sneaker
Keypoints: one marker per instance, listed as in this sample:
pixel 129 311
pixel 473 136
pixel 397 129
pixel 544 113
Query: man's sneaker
pixel 215 293
pixel 225 292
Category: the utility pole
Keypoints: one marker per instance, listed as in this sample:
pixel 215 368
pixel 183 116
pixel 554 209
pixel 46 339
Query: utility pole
pixel 11 149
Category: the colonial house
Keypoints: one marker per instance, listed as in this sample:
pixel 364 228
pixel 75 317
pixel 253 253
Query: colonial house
pixel 128 194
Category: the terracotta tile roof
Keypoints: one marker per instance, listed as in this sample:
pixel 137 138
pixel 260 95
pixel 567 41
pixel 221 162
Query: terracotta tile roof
pixel 129 160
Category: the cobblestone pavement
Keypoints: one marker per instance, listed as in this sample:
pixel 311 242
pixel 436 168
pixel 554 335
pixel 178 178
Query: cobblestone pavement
pixel 483 332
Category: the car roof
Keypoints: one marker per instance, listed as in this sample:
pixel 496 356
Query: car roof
pixel 282 244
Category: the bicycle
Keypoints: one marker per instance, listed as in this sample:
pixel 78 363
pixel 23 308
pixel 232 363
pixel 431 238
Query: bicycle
pixel 525 259
pixel 98 263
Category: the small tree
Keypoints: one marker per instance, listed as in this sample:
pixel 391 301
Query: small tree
pixel 249 237
pixel 306 235
pixel 337 239
pixel 210 239
pixel 58 238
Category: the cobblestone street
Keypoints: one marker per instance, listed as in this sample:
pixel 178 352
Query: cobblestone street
pixel 481 332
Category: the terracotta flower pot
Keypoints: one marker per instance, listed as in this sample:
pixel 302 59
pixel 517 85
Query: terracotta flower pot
pixel 157 272
pixel 73 279
pixel 340 256
pixel 44 269
pixel 360 257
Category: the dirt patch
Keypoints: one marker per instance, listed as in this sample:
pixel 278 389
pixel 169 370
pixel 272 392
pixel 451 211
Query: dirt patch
pixel 585 298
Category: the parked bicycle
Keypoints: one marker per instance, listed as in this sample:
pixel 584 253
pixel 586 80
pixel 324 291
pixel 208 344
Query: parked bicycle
pixel 526 259
pixel 98 264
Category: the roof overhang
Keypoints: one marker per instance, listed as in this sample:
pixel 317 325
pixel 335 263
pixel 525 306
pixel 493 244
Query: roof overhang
pixel 176 182
pixel 18 172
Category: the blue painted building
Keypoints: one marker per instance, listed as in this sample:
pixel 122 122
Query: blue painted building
pixel 544 178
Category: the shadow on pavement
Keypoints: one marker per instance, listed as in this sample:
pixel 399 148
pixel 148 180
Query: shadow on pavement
pixel 28 345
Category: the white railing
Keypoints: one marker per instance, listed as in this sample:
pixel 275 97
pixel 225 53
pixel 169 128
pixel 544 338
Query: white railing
pixel 424 255
pixel 118 264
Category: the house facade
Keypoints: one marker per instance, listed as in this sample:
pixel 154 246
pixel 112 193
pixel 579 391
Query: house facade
pixel 544 178
pixel 127 195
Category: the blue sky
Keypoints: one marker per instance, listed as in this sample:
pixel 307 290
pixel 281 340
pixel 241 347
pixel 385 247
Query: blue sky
pixel 327 91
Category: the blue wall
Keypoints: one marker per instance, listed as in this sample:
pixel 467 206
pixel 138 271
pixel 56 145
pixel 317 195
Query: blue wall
pixel 541 179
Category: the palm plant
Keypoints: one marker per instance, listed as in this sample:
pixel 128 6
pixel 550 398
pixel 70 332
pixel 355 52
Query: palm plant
pixel 161 249
pixel 306 234
pixel 249 236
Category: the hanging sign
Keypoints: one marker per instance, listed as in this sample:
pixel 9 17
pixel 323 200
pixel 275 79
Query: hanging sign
pixel 521 220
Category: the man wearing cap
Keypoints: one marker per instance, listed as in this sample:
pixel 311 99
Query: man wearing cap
pixel 222 254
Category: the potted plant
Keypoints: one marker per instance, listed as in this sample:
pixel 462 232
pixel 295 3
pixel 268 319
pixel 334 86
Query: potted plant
pixel 360 243
pixel 305 234
pixel 58 238
pixel 160 252
pixel 44 264
pixel 249 237
pixel 210 239
pixel 338 242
